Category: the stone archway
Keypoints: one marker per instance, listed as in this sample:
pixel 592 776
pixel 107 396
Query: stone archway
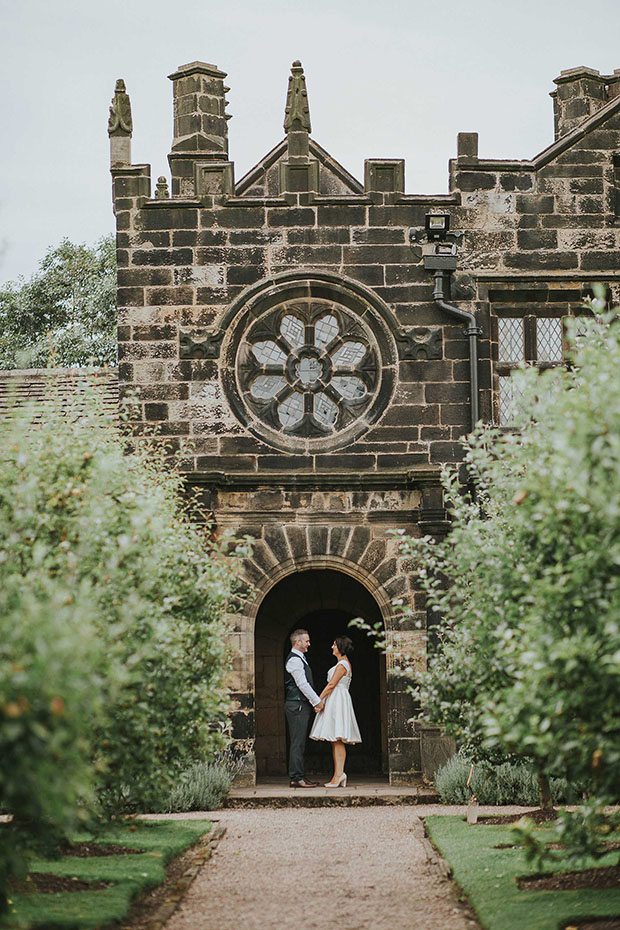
pixel 323 601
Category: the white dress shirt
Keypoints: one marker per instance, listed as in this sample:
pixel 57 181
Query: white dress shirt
pixel 295 667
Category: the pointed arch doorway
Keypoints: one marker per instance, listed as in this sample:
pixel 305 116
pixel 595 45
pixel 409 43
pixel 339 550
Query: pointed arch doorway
pixel 322 601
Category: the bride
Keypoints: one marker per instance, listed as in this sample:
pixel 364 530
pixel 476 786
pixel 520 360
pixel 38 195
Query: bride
pixel 337 723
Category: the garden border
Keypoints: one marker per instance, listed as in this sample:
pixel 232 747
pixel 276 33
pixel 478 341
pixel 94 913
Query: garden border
pixel 199 856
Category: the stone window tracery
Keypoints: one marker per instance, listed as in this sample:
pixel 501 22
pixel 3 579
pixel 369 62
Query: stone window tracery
pixel 308 368
pixel 306 372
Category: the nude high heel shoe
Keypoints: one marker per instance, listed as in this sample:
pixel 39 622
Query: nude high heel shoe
pixel 342 782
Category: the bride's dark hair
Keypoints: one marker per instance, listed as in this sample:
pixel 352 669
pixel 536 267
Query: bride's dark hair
pixel 344 645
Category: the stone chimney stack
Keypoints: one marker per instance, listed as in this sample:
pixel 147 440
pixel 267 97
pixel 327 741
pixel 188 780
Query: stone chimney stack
pixel 580 93
pixel 200 124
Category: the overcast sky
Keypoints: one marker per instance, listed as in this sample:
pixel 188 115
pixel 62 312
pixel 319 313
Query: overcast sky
pixel 386 78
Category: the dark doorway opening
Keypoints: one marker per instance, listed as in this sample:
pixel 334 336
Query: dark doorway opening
pixel 323 602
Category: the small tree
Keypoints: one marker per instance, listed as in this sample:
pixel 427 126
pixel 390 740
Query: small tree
pixel 66 312
pixel 528 585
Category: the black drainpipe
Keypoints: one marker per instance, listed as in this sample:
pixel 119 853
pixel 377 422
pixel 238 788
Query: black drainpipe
pixel 472 331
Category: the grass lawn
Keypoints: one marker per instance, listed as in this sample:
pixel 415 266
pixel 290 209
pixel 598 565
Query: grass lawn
pixel 131 874
pixel 487 876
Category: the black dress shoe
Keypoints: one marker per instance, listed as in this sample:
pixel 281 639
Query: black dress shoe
pixel 302 783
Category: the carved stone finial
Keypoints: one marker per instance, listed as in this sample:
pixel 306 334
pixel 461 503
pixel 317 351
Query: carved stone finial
pixel 161 189
pixel 297 112
pixel 120 122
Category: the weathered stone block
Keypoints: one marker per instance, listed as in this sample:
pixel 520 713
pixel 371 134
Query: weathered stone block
pixel 540 260
pixel 537 239
pixel 298 541
pixel 156 411
pixel 162 257
pixel 338 539
pixel 534 203
pixel 447 452
pixel 276 540
pixel 231 216
pixel 169 218
pixel 467 145
pixel 520 181
pixel 476 180
pixel 317 539
pixel 378 236
pixel 600 261
pixel 360 537
pixel 291 217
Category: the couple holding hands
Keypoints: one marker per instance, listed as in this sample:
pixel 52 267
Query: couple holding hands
pixel 335 719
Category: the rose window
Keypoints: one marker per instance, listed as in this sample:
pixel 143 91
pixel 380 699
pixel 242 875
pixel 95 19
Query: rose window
pixel 308 368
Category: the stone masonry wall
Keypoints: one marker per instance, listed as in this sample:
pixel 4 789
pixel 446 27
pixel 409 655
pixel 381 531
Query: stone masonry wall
pixel 351 532
pixel 200 270
pixel 182 265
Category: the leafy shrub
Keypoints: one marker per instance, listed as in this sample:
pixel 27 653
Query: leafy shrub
pixel 202 787
pixel 528 584
pixel 50 694
pixel 112 629
pixel 506 783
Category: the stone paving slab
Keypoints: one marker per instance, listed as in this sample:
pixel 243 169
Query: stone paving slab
pixel 278 793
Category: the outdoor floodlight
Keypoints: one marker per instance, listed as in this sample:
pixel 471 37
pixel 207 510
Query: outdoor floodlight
pixel 437 226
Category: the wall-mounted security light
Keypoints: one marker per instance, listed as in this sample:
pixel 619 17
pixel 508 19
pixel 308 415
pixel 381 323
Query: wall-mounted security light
pixel 439 244
pixel 439 248
pixel 437 226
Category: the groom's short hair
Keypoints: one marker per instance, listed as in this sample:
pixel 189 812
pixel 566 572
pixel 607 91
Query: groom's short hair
pixel 297 634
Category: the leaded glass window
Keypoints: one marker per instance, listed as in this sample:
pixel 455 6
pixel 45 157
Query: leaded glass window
pixel 293 330
pixel 326 329
pixel 291 410
pixel 265 386
pixel 350 353
pixel 509 400
pixel 530 340
pixel 268 353
pixel 549 340
pixel 510 338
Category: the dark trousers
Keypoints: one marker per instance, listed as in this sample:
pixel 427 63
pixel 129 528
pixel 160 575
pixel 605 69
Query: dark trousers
pixel 298 717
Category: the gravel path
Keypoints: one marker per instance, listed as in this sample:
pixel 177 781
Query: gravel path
pixel 321 869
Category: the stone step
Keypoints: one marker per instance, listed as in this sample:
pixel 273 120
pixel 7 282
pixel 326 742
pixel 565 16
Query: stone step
pixel 365 794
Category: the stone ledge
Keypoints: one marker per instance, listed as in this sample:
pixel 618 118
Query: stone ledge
pixel 415 477
pixel 324 797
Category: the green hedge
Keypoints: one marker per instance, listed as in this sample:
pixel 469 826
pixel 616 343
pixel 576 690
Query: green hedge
pixel 112 633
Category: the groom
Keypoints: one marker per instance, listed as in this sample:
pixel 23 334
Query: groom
pixel 299 700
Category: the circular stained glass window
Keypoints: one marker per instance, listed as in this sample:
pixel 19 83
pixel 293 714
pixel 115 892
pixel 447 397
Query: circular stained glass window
pixel 308 373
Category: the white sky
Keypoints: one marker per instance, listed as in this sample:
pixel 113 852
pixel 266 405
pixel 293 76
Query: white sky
pixel 386 78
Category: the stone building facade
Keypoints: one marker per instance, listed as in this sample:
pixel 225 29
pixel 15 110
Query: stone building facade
pixel 317 347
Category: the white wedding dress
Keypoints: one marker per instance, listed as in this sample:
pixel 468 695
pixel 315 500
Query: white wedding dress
pixel 337 721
